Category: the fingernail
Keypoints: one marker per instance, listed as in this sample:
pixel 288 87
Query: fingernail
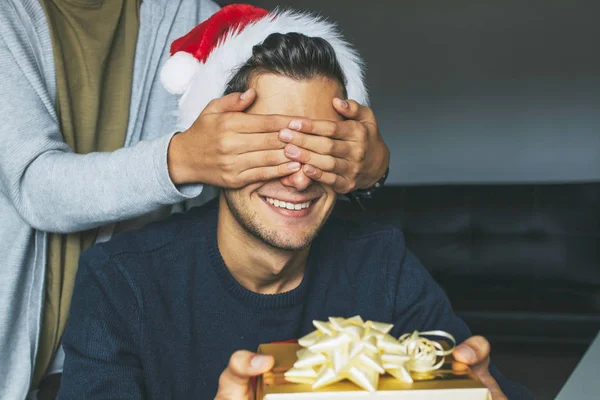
pixel 295 125
pixel 343 103
pixel 309 170
pixel 465 353
pixel 245 94
pixel 285 135
pixel 292 150
pixel 259 362
pixel 294 166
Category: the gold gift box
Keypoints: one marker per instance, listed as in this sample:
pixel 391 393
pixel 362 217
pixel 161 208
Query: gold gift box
pixel 453 381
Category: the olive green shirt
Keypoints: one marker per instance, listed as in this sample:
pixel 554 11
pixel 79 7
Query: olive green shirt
pixel 94 46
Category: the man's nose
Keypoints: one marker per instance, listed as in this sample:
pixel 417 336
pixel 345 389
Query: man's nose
pixel 298 180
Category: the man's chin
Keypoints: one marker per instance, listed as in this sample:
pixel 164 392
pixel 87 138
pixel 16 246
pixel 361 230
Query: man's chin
pixel 288 247
pixel 282 232
pixel 288 244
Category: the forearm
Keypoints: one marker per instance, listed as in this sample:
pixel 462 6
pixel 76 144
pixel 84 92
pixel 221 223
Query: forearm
pixel 63 192
pixel 54 189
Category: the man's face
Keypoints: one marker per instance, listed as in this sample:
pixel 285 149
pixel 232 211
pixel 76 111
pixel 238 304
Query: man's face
pixel 287 213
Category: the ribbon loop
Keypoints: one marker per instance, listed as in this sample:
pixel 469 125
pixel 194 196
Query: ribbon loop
pixel 362 351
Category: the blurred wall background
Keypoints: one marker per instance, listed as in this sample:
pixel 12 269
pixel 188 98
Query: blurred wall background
pixel 472 91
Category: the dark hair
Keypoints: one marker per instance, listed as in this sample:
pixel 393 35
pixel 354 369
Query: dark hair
pixel 292 55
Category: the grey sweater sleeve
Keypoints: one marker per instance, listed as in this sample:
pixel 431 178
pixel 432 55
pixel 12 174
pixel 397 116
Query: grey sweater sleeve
pixel 52 188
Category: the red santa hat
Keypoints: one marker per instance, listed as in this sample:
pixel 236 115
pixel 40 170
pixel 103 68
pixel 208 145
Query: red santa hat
pixel 203 61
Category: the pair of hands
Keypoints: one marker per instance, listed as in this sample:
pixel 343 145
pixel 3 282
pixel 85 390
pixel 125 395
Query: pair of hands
pixel 228 148
pixel 235 381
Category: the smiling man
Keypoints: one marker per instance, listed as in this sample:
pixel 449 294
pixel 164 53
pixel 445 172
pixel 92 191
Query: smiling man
pixel 287 213
pixel 175 310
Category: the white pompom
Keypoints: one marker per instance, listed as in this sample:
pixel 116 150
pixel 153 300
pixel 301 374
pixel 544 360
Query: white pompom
pixel 178 71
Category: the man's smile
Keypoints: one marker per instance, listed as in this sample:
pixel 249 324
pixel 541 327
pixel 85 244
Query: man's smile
pixel 290 208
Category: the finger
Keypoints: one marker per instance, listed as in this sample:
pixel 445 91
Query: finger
pixel 230 143
pixel 324 162
pixel 346 108
pixel 317 144
pixel 230 103
pixel 349 130
pixel 234 382
pixel 255 123
pixel 264 158
pixel 248 142
pixel 262 174
pixel 491 383
pixel 314 127
pixel 243 365
pixel 350 109
pixel 475 351
pixel 484 376
pixel 472 351
pixel 338 183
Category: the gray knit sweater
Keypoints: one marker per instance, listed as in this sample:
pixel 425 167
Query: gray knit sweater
pixel 45 187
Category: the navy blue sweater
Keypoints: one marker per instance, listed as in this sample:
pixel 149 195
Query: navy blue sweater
pixel 156 314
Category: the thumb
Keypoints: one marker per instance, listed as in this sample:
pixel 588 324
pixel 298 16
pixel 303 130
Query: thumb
pixel 349 109
pixel 465 354
pixel 473 351
pixel 234 382
pixel 233 102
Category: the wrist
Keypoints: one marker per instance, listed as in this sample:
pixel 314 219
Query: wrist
pixel 178 161
pixel 383 170
pixel 368 191
pixel 383 164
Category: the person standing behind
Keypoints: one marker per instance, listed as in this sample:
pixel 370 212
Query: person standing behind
pixel 89 147
pixel 158 313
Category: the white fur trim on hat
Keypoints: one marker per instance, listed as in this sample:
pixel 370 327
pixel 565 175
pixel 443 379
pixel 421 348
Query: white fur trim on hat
pixel 210 78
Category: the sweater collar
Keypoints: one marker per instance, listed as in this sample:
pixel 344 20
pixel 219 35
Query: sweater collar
pixel 248 297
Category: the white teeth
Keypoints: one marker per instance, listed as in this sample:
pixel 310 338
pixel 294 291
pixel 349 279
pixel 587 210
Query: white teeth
pixel 287 205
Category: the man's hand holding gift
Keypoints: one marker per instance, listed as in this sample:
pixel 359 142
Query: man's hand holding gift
pixel 475 352
pixel 235 382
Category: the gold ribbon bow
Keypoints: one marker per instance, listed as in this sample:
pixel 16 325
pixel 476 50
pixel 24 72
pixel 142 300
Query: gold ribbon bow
pixel 361 351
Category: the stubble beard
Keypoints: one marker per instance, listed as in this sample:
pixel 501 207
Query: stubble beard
pixel 250 222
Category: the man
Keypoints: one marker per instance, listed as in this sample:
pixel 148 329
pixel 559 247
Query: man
pixel 86 151
pixel 163 312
